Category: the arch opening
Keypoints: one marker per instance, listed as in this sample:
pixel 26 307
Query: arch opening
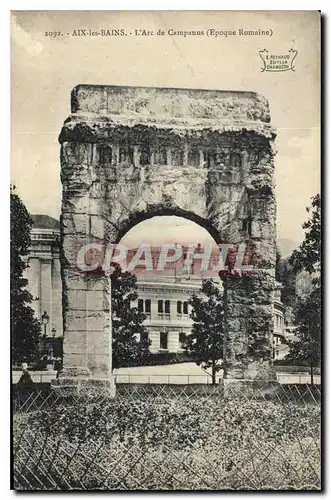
pixel 154 211
pixel 171 246
pixel 164 290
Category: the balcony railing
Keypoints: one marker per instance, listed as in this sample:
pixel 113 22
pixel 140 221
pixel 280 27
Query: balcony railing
pixel 164 316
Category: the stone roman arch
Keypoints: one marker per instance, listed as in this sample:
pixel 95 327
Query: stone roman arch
pixel 130 153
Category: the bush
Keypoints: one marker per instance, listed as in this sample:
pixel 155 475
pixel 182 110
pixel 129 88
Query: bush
pixel 178 421
pixel 178 442
pixel 160 358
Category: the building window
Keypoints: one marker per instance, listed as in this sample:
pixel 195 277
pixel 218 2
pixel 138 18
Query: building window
pixel 167 307
pixel 145 155
pixel 193 157
pixel 182 337
pixel 160 156
pixel 140 305
pixel 185 308
pixel 164 340
pixel 144 337
pixel 179 307
pixel 277 353
pixel 148 306
pixel 160 306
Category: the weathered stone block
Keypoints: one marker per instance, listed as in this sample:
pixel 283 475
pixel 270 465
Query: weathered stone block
pixel 74 154
pixel 86 320
pixel 99 364
pixel 99 342
pixel 86 300
pixel 262 229
pixel 74 360
pixel 75 224
pixel 97 229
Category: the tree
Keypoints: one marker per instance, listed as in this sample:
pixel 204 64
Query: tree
pixel 25 328
pixel 308 256
pixel 130 342
pixel 205 343
pixel 308 307
pixel 308 317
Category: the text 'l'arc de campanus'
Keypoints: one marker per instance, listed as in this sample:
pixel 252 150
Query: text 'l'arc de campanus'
pixel 132 153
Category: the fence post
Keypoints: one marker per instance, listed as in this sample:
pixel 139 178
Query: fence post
pixel 188 380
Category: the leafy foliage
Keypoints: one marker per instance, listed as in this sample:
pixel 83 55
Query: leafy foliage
pixel 25 328
pixel 159 358
pixel 127 322
pixel 177 420
pixel 173 441
pixel 308 307
pixel 205 343
pixel 308 317
pixel 308 255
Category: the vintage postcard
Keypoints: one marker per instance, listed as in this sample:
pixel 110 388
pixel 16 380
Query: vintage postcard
pixel 165 250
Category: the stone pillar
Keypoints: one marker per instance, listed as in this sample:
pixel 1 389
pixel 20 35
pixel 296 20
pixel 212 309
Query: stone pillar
pixel 46 291
pixel 248 326
pixel 185 155
pixel 201 158
pixel 169 156
pixel 136 156
pixel 249 297
pixel 57 321
pixel 34 277
pixel 87 348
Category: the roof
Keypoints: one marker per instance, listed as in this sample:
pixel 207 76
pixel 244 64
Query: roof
pixel 42 221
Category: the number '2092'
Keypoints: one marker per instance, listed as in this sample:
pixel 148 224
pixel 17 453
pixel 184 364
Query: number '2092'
pixel 53 34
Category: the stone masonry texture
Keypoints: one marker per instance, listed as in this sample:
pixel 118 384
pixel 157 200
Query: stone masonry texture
pixel 131 153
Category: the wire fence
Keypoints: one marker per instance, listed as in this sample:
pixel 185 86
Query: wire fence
pixel 164 437
pixel 286 377
pixel 144 378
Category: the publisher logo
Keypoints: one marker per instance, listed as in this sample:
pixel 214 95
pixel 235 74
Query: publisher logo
pixel 278 61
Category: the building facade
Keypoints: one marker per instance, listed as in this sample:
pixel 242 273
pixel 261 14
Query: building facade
pixel 44 274
pixel 165 303
pixel 280 348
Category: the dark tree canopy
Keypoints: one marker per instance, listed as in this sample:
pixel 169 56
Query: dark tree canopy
pixel 205 343
pixel 25 328
pixel 308 307
pixel 130 343
pixel 308 256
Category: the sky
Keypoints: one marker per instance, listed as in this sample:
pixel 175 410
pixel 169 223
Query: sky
pixel 45 69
